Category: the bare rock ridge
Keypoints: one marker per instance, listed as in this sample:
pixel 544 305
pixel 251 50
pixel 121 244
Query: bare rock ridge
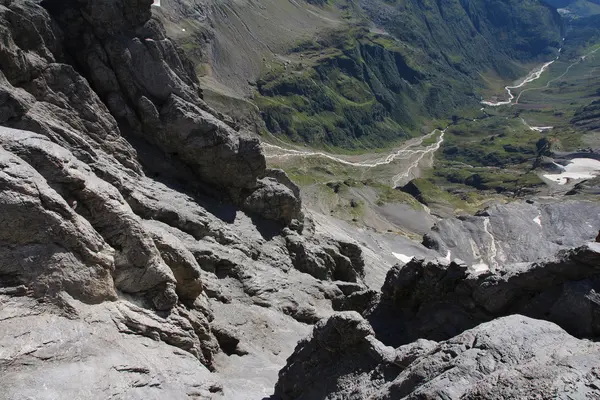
pixel 513 357
pixel 147 251
pixel 98 109
pixel 150 93
pixel 485 349
pixel 438 300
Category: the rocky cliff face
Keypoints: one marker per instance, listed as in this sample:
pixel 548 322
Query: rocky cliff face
pixel 141 85
pixel 486 349
pixel 137 216
pixel 149 253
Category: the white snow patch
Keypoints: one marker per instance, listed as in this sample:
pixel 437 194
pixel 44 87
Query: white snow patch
pixel 449 256
pixel 156 3
pixel 402 257
pixel 481 267
pixel 578 168
pixel 493 251
pixel 538 220
pixel 541 128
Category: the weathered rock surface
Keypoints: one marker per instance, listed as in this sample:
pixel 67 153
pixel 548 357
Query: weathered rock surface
pixel 336 260
pixel 45 244
pixel 139 259
pixel 138 265
pixel 512 357
pixel 438 300
pixel 149 89
pixel 516 232
pixel 76 351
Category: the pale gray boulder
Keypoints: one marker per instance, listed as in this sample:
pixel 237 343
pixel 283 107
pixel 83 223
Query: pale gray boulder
pixel 273 200
pixel 324 258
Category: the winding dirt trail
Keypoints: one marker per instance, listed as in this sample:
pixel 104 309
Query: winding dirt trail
pixel 274 151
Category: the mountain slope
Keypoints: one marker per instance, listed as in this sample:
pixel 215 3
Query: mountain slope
pixel 148 251
pixel 428 62
pixel 418 60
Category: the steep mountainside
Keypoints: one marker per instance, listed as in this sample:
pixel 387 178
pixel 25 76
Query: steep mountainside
pixel 371 76
pixel 148 251
pixel 574 9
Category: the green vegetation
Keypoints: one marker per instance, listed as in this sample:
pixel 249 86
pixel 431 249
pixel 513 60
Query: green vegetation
pixel 498 180
pixel 353 88
pixel 494 141
pixel 334 96
pixel 433 192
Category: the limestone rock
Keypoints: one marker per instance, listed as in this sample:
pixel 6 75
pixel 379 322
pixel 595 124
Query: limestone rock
pixel 181 261
pixel 338 345
pixel 138 265
pixel 274 200
pixel 78 351
pixel 336 260
pixel 511 357
pixel 46 245
pixel 42 95
pixel 438 300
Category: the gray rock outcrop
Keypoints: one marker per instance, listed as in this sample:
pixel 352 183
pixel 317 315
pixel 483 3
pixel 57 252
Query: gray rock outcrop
pixel 46 245
pixel 516 232
pixel 513 357
pixel 143 86
pixel 438 300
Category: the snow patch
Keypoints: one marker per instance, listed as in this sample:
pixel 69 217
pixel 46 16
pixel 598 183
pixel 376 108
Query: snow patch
pixel 449 256
pixel 156 3
pixel 541 128
pixel 402 257
pixel 538 220
pixel 578 168
pixel 481 267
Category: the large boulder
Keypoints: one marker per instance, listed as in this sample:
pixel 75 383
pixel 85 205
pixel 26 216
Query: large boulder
pixel 324 258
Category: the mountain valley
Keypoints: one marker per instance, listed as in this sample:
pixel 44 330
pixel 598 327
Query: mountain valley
pixel 290 199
